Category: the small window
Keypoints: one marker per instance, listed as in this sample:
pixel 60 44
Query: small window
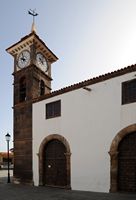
pixel 53 109
pixel 129 92
pixel 22 89
pixel 42 88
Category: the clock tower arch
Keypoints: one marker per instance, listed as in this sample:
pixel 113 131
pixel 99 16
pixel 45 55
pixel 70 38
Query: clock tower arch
pixel 32 79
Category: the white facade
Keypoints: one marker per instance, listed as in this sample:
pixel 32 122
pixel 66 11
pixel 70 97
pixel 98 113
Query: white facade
pixel 89 121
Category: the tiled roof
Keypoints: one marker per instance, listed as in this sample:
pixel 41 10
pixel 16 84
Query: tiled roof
pixel 91 81
pixel 5 155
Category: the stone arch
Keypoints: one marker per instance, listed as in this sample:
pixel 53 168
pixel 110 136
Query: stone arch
pixel 67 154
pixel 114 156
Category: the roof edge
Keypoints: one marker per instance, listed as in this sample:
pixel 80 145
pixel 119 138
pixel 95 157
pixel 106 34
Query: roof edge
pixel 91 81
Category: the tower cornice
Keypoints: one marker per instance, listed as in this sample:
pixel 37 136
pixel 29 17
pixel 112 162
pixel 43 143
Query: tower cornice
pixel 27 41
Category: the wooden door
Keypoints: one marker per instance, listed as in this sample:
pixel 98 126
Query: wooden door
pixel 55 173
pixel 127 164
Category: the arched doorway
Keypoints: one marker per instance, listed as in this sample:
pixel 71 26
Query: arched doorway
pixel 127 163
pixel 123 160
pixel 54 162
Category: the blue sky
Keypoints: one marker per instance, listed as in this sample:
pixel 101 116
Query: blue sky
pixel 90 37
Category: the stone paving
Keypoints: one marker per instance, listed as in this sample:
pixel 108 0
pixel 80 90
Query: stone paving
pixel 21 192
pixel 10 191
pixel 3 175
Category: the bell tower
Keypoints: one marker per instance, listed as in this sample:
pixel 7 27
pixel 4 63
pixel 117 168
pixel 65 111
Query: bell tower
pixel 32 79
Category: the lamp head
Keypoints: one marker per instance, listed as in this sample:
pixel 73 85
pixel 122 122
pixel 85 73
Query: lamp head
pixel 7 136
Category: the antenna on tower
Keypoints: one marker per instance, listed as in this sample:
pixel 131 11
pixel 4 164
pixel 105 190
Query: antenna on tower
pixel 34 14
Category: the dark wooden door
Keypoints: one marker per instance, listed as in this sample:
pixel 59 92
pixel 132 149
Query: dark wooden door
pixel 127 164
pixel 55 173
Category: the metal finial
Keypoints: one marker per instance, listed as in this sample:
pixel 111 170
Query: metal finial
pixel 34 14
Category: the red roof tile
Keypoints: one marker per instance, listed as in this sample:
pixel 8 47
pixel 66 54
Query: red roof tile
pixel 91 81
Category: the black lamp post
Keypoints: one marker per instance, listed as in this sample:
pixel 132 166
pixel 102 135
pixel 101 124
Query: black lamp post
pixel 7 136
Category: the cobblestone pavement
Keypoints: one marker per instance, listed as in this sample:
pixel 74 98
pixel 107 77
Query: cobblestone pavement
pixel 10 191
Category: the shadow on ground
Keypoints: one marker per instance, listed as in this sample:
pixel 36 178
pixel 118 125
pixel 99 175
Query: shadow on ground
pixel 10 191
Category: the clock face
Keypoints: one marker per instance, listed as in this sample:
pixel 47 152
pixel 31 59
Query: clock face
pixel 24 59
pixel 41 62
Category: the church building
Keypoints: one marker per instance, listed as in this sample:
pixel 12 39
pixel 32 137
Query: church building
pixel 81 137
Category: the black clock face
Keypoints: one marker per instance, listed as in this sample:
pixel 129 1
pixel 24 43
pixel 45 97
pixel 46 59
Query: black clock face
pixel 41 62
pixel 24 59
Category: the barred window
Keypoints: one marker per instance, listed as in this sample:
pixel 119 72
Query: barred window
pixel 53 109
pixel 129 91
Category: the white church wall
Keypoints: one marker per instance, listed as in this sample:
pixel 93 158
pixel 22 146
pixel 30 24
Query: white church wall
pixel 89 121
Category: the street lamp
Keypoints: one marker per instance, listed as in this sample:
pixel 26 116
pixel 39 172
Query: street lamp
pixel 7 136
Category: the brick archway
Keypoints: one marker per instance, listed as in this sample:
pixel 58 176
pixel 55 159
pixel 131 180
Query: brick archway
pixel 67 154
pixel 114 156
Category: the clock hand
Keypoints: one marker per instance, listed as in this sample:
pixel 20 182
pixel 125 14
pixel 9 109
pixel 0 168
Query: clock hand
pixel 41 60
pixel 22 55
pixel 23 58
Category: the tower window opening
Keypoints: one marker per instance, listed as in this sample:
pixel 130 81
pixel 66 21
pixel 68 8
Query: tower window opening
pixel 22 92
pixel 42 88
